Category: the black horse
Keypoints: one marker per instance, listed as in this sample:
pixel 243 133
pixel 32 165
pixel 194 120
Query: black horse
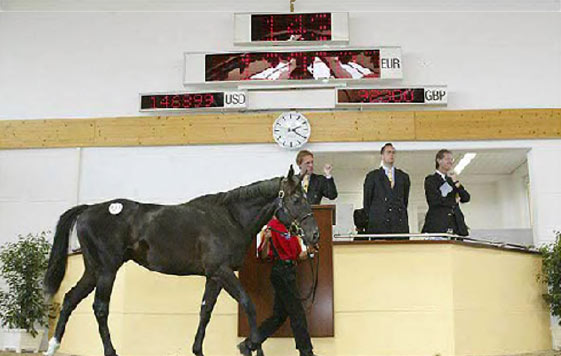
pixel 207 236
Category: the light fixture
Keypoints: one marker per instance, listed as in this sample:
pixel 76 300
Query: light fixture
pixel 466 159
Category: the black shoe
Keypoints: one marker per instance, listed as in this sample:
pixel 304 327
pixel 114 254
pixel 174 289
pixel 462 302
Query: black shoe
pixel 244 348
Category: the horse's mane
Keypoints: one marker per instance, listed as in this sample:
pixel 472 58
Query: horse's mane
pixel 264 188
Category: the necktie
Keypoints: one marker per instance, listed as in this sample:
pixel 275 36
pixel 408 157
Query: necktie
pixel 390 177
pixel 306 183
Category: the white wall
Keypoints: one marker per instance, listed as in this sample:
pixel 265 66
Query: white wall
pixel 545 170
pixel 96 64
pixel 176 174
pixel 282 5
pixel 35 187
pixel 513 192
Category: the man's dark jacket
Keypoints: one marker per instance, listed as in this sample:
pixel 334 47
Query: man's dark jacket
pixel 386 206
pixel 319 187
pixel 444 212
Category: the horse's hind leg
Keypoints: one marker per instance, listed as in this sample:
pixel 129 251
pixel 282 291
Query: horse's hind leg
pixel 233 286
pixel 81 290
pixel 103 290
pixel 212 289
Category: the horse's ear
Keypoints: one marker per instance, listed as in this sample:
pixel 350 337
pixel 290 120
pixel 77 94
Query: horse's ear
pixel 290 172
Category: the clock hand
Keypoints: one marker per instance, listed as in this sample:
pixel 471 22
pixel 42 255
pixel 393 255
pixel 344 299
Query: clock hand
pixel 296 132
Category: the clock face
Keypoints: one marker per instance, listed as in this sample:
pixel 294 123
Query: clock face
pixel 291 130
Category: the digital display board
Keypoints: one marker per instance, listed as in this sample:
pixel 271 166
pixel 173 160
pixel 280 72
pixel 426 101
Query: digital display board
pixel 291 27
pixel 195 100
pixel 436 95
pixel 294 65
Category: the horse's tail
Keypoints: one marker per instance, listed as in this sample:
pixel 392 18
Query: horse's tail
pixel 57 260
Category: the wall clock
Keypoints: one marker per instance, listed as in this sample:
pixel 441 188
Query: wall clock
pixel 291 130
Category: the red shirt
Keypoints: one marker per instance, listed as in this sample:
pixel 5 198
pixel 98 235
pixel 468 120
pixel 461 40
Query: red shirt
pixel 288 247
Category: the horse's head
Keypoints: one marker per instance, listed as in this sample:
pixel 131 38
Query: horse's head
pixel 294 211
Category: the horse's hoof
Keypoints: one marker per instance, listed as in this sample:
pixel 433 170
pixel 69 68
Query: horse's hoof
pixel 54 345
pixel 260 352
pixel 244 349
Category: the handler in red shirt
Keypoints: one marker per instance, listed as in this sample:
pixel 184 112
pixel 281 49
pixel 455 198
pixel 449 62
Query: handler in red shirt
pixel 287 247
pixel 285 250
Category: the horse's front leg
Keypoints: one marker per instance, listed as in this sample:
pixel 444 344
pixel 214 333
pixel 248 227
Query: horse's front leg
pixel 212 290
pixel 233 286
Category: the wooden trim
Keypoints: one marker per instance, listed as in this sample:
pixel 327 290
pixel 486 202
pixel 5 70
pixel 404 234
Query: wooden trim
pixel 488 124
pixel 235 128
pixel 47 133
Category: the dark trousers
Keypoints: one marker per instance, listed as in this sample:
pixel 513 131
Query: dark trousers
pixel 452 224
pixel 287 304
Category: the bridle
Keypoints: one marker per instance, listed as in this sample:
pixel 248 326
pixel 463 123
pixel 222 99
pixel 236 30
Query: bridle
pixel 295 221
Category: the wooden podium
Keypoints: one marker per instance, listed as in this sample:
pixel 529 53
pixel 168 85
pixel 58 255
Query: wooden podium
pixel 255 273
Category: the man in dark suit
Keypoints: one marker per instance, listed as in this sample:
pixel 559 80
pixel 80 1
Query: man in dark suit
pixel 444 194
pixel 316 186
pixel 386 195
